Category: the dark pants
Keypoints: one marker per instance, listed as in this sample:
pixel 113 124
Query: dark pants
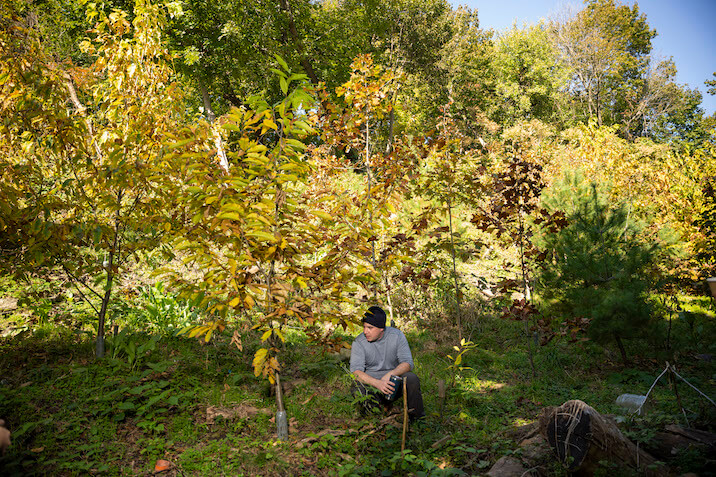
pixel 377 400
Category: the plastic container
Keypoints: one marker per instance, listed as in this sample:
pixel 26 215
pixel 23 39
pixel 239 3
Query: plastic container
pixel 631 402
pixel 398 386
pixel 282 425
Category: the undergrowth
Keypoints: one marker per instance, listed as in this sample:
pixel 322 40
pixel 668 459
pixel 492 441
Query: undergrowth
pixel 199 406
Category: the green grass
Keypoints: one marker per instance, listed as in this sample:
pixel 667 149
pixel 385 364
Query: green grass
pixel 73 415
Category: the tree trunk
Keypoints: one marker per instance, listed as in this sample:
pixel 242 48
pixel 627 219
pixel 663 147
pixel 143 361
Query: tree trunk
pixel 581 439
pixel 286 6
pixel 454 272
pixel 622 351
pixel 526 289
pixel 218 143
pixel 114 252
pixel 99 346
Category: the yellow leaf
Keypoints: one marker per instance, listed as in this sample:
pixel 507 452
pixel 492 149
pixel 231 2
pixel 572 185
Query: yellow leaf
pixel 235 302
pixel 321 214
pixel 208 336
pixel 266 335
pixel 249 301
pixel 229 216
pixel 261 235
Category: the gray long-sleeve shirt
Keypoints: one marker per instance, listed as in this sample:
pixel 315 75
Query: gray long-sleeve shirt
pixel 378 357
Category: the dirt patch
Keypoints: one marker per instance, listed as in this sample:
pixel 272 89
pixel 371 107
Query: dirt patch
pixel 242 411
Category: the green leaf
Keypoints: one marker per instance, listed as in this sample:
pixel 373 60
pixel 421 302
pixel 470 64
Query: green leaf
pixel 281 62
pixel 296 143
pixel 278 72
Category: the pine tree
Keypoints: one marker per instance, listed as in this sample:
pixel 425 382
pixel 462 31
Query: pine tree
pixel 596 265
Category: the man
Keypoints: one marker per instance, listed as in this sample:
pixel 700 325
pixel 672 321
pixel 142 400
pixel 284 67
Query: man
pixel 379 353
pixel 4 437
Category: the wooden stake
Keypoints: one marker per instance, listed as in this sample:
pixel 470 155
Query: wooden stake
pixel 405 413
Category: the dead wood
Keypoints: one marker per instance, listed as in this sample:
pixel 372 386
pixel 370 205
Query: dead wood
pixel 580 437
pixel 673 439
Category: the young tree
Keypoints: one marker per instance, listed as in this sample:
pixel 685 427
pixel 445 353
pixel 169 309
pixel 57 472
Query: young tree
pixel 87 178
pixel 452 176
pixel 354 139
pixel 597 265
pixel 517 189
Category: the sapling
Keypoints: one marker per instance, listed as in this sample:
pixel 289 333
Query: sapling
pixel 596 266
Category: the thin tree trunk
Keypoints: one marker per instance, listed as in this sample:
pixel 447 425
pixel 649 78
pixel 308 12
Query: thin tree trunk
pixel 286 6
pixel 113 252
pixel 622 351
pixel 454 272
pixel 391 123
pixel 526 288
pixel 369 173
pixel 388 295
pixel 211 116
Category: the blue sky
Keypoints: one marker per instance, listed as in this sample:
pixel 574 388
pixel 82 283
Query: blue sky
pixel 685 31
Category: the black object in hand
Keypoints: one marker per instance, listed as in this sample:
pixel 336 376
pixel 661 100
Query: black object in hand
pixel 397 384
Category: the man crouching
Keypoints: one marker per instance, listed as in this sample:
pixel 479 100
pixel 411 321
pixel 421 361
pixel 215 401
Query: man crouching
pixel 378 354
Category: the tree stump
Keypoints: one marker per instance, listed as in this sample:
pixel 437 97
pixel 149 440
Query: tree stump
pixel 581 438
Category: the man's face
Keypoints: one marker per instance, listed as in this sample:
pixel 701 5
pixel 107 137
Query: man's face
pixel 372 333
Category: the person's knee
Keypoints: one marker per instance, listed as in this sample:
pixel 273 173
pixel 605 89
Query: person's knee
pixel 412 379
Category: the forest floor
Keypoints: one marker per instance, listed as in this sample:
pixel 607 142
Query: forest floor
pixel 199 406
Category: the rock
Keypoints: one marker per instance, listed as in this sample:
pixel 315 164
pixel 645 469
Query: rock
pixel 536 450
pixel 507 466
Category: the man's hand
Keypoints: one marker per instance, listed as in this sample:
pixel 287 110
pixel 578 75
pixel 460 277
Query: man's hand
pixel 385 385
pixel 4 437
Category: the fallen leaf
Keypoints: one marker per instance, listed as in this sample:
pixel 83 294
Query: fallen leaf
pixel 162 465
pixel 24 385
pixel 37 450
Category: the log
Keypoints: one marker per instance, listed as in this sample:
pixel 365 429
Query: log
pixel 580 437
pixel 668 443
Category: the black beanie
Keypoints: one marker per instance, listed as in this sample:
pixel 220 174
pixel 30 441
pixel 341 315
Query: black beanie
pixel 375 316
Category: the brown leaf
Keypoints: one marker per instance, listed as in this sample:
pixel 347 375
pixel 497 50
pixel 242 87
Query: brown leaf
pixel 162 465
pixel 236 340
